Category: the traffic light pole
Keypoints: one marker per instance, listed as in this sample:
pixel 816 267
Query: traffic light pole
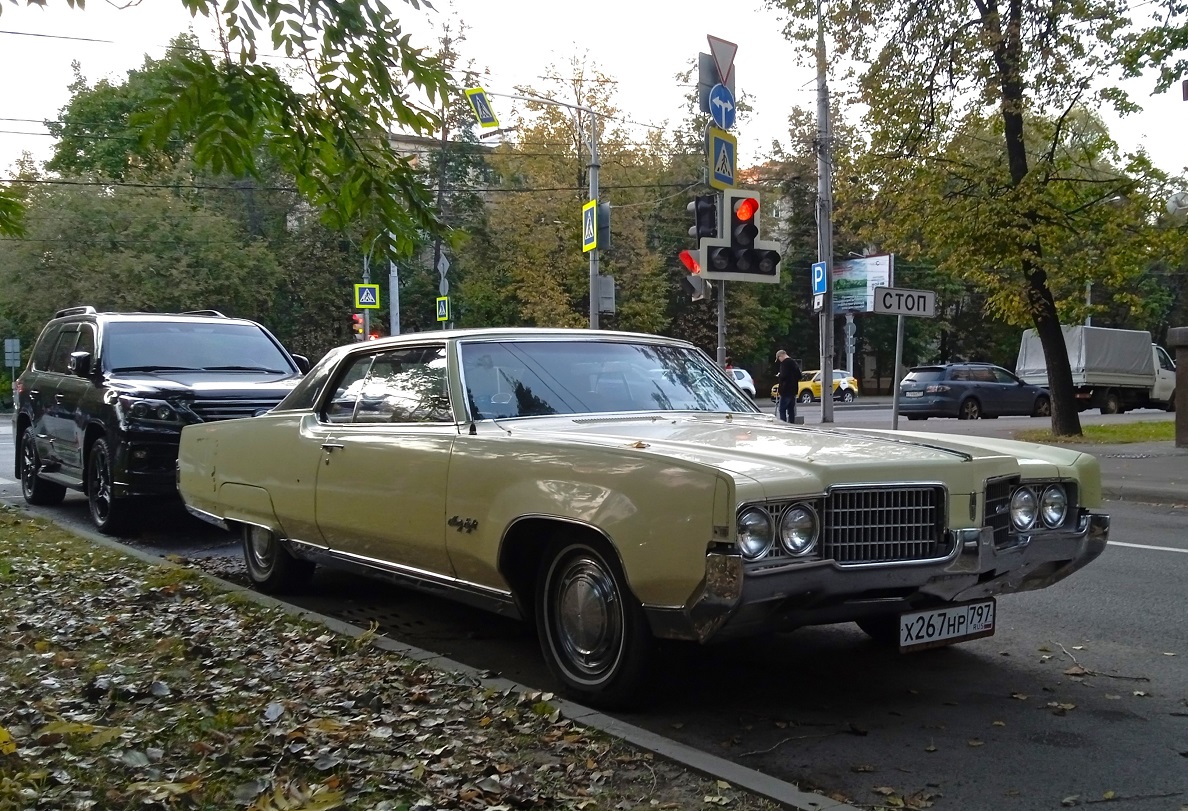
pixel 825 222
pixel 593 184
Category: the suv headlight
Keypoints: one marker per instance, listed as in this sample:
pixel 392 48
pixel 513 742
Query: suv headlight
pixel 755 533
pixel 1053 506
pixel 139 409
pixel 798 529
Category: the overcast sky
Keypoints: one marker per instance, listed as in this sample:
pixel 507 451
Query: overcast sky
pixel 641 43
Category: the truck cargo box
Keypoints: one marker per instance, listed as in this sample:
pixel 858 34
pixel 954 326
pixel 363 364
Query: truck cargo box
pixel 1099 356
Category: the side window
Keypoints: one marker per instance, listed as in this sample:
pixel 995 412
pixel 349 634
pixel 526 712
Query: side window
pixel 1165 360
pixel 1003 376
pixel 86 339
pixel 341 407
pixel 45 348
pixel 959 374
pixel 982 375
pixel 62 349
pixel 407 385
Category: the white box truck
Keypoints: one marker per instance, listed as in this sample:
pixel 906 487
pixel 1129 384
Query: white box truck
pixel 1112 369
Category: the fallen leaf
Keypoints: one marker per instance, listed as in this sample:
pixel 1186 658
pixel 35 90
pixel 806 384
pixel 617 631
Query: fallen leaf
pixel 930 747
pixel 1076 670
pixel 1139 693
pixel 976 742
pixel 1069 802
pixel 998 723
pixel 885 791
pixel 1044 649
pixel 722 784
pixel 1045 657
pixel 1109 795
pixel 1168 653
pixel 862 768
pixel 1078 647
pixel 1019 696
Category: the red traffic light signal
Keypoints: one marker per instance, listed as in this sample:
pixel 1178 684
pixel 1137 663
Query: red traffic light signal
pixel 357 325
pixel 745 208
pixel 690 261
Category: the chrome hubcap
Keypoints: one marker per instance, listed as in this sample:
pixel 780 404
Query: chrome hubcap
pixel 589 619
pixel 260 547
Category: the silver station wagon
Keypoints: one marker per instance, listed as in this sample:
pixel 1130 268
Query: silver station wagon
pixel 617 489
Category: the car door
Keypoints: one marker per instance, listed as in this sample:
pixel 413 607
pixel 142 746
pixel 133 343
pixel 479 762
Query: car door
pixel 380 494
pixel 56 419
pixel 1012 397
pixel 69 394
pixel 37 390
pixel 1165 376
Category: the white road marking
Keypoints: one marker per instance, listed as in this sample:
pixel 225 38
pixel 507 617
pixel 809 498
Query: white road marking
pixel 1145 546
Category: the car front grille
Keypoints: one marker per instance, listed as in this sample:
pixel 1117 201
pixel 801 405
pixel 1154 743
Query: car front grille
pixel 998 503
pixel 213 410
pixel 884 525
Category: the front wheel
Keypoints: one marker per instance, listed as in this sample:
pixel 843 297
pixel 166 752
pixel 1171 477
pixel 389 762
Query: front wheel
pixel 36 490
pixel 110 515
pixel 272 568
pixel 969 410
pixel 805 397
pixel 1043 406
pixel 592 630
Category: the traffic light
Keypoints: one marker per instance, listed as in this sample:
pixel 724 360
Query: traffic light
pixel 739 254
pixel 357 325
pixel 604 227
pixel 704 209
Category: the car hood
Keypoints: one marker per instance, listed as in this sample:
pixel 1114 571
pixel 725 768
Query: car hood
pixel 204 384
pixel 773 459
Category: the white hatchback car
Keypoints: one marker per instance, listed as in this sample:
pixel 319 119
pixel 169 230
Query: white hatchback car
pixel 743 378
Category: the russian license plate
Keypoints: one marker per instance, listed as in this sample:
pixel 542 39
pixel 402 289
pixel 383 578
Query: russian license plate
pixel 943 626
pixel 913 394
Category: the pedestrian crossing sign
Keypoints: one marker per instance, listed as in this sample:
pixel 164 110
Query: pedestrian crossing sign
pixel 367 297
pixel 590 226
pixel 482 107
pixel 722 154
pixel 443 308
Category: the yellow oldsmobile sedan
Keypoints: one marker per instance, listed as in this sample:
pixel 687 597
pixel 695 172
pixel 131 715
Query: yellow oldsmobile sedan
pixel 616 489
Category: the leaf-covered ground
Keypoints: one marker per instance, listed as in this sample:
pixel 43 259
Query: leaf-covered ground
pixel 124 685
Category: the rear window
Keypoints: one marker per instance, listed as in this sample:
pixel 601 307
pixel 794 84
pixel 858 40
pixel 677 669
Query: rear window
pixel 924 375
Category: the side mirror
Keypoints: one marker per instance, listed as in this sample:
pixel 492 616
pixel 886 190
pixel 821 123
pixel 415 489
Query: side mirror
pixel 79 364
pixel 302 363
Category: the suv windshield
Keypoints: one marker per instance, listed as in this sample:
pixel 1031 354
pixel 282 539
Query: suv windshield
pixel 148 346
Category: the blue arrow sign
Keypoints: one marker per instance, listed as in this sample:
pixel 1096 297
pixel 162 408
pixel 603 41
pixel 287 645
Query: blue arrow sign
pixel 818 278
pixel 721 104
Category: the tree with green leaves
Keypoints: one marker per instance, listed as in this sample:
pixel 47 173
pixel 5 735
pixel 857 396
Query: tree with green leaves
pixel 979 154
pixel 333 140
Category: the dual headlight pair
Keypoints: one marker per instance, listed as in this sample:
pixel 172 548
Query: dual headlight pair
pixel 1038 506
pixel 796 531
pixel 143 410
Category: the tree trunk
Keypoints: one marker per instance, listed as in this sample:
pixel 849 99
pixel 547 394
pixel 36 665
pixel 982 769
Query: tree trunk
pixel 1007 59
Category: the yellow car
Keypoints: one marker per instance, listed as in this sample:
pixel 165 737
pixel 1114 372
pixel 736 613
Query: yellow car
pixel 845 387
pixel 616 488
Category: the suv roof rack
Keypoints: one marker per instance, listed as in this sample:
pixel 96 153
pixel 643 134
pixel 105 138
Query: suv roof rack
pixel 212 313
pixel 86 309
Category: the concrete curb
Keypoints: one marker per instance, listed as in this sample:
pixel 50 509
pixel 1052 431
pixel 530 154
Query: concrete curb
pixel 778 791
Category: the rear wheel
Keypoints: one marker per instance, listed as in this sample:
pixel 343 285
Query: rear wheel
pixel 272 568
pixel 592 630
pixel 847 396
pixel 1043 406
pixel 805 397
pixel 1112 403
pixel 110 515
pixel 36 490
pixel 969 409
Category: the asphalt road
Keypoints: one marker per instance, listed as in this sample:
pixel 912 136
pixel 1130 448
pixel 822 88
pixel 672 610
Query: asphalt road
pixel 1083 690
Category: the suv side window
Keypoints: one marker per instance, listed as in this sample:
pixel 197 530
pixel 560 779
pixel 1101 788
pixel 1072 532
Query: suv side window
pixel 62 349
pixel 86 339
pixel 45 347
pixel 1003 376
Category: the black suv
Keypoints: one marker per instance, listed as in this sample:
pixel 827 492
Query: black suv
pixel 102 403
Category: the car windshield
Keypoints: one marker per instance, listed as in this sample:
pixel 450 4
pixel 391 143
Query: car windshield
pixel 156 346
pixel 535 378
pixel 924 375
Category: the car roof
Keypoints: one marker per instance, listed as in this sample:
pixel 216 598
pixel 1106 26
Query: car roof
pixel 194 316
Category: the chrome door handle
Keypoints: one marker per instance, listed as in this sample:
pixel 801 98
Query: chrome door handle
pixel 329 446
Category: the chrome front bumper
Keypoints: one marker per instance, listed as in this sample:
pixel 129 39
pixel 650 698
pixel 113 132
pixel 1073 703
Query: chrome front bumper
pixel 733 602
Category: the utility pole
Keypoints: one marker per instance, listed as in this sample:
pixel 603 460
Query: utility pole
pixel 441 179
pixel 825 222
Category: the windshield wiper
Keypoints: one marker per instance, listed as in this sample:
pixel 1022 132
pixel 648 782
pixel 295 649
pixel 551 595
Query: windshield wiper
pixel 242 369
pixel 156 369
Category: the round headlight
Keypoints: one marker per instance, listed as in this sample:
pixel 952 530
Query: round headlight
pixel 164 413
pixel 754 533
pixel 798 529
pixel 1053 505
pixel 140 410
pixel 1024 507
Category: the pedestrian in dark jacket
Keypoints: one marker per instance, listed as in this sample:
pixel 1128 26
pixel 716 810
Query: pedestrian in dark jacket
pixel 788 378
